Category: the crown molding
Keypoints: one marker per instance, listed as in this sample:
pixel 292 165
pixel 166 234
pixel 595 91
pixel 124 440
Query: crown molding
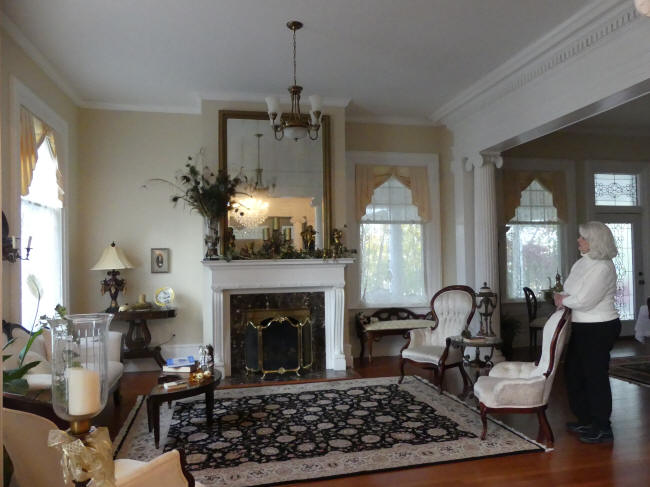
pixel 392 120
pixel 589 27
pixel 41 61
pixel 125 107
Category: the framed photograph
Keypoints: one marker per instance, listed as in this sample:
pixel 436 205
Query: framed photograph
pixel 159 260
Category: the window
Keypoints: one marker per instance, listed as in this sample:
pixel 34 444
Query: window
pixel 532 242
pixel 392 260
pixel 615 189
pixel 41 218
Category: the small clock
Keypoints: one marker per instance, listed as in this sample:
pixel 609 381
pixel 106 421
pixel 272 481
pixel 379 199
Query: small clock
pixel 164 296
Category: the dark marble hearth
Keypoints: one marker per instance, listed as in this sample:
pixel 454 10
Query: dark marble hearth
pixel 239 303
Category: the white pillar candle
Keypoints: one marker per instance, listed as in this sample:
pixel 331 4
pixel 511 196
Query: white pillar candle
pixel 84 391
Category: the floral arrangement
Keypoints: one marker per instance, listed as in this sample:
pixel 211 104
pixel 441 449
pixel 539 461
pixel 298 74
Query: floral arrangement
pixel 210 194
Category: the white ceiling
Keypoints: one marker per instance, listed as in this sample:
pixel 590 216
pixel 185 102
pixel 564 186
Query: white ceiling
pixel 389 58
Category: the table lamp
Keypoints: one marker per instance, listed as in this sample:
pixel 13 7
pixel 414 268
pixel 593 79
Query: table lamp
pixel 487 303
pixel 112 258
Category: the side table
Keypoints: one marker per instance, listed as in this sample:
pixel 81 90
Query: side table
pixel 138 337
pixel 477 362
pixel 159 395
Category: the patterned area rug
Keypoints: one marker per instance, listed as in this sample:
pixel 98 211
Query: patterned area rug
pixel 270 435
pixel 631 369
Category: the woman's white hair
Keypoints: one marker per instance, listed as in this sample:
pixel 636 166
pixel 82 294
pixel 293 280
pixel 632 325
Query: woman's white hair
pixel 601 241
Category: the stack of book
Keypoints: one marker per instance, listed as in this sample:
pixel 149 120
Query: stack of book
pixel 181 364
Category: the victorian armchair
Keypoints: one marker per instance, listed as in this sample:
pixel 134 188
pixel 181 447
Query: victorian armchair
pixel 524 387
pixel 452 309
pixel 37 465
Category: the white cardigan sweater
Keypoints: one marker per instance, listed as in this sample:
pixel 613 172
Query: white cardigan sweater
pixel 590 290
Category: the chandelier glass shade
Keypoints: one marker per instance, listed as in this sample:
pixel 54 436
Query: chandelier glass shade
pixel 294 125
pixel 252 210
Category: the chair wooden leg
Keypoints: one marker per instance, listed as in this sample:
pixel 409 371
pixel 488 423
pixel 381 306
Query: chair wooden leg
pixel 442 377
pixel 545 434
pixel 117 398
pixel 483 420
pixel 370 338
pixel 402 363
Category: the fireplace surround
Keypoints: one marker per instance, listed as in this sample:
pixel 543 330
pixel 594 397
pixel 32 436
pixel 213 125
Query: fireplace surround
pixel 224 279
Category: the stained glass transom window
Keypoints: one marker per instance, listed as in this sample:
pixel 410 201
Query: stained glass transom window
pixel 615 189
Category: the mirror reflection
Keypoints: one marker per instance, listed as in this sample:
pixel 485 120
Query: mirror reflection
pixel 283 182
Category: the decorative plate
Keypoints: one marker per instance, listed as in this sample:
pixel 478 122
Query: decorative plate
pixel 164 296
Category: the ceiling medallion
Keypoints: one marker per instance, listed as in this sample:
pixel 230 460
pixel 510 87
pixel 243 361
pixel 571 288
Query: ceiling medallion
pixel 293 124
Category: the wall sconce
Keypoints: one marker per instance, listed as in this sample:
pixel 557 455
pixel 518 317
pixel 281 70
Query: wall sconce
pixel 486 304
pixel 10 247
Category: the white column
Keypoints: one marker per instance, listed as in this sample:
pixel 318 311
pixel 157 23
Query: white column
pixel 486 231
pixel 334 327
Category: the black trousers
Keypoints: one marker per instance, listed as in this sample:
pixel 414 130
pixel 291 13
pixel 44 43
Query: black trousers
pixel 587 371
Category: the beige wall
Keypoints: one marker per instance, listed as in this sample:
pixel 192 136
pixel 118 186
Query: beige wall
pixel 570 145
pixel 16 64
pixel 120 151
pixel 418 139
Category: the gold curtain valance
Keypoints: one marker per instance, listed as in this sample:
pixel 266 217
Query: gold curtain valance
pixel 370 177
pixel 514 182
pixel 33 131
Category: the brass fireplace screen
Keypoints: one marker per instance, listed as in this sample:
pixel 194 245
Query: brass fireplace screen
pixel 278 341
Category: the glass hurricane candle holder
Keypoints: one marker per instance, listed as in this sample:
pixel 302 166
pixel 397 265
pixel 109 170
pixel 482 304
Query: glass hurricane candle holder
pixel 80 368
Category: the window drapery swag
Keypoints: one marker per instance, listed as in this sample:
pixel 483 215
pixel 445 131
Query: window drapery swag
pixel 370 177
pixel 33 132
pixel 515 182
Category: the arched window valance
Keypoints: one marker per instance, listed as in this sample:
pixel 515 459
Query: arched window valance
pixel 33 132
pixel 370 177
pixel 514 182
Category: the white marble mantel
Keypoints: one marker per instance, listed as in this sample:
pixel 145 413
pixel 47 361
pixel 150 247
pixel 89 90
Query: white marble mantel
pixel 223 279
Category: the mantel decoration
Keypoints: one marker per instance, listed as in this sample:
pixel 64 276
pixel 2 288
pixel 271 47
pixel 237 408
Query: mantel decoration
pixel 294 125
pixel 209 194
pixel 278 244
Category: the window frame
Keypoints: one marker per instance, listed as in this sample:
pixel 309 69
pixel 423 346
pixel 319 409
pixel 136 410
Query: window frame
pixel 431 230
pixel 568 251
pixel 21 95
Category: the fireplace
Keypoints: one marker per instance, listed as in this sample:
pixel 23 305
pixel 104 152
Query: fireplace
pixel 250 311
pixel 278 342
pixel 268 278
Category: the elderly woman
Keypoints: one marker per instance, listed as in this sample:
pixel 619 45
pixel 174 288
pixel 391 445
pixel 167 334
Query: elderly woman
pixel 589 292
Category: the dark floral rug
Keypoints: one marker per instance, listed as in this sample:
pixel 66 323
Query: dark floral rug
pixel 275 434
pixel 631 369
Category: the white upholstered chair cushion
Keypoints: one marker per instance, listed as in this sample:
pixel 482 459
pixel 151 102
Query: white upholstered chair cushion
pixel 398 325
pixel 25 437
pixel 523 384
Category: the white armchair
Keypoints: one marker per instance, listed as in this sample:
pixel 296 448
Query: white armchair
pixel 40 377
pixel 37 465
pixel 452 309
pixel 524 387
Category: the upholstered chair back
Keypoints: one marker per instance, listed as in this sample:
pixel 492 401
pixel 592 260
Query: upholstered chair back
pixel 556 331
pixel 25 437
pixel 453 308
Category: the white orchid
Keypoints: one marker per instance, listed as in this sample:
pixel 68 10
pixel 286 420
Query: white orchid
pixel 34 286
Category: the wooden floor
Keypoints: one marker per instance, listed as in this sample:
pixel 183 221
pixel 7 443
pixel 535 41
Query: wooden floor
pixel 625 463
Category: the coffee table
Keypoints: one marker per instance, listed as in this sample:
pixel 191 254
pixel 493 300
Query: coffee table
pixel 159 395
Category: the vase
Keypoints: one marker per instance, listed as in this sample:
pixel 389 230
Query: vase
pixel 211 238
pixel 80 367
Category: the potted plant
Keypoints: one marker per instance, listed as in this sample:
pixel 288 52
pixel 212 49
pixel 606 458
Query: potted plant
pixel 209 194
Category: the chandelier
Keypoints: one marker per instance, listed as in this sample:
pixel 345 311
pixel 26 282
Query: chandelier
pixel 294 125
pixel 252 210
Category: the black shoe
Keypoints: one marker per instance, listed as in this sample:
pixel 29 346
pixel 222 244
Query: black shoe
pixel 597 435
pixel 577 427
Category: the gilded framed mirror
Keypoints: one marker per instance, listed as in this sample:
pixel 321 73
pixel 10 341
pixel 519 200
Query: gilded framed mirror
pixel 286 182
